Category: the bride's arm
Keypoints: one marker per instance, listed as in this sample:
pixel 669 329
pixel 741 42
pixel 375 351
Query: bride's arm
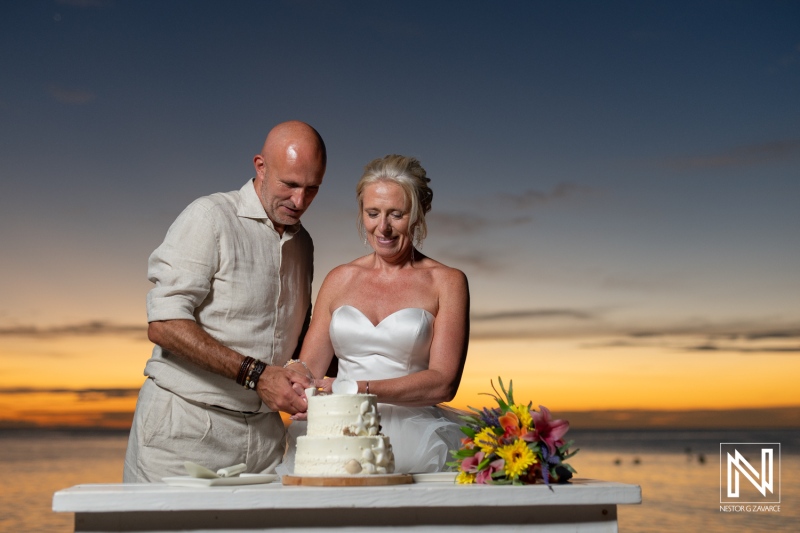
pixel 448 350
pixel 317 350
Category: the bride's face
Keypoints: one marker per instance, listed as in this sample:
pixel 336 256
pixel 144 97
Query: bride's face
pixel 386 216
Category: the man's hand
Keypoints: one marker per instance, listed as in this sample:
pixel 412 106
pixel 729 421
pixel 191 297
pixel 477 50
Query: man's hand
pixel 277 388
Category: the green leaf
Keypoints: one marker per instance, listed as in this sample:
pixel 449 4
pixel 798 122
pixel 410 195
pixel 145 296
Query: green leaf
pixel 570 454
pixel 565 446
pixel 498 399
pixel 486 460
pixel 466 452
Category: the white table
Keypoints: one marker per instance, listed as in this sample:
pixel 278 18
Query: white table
pixel 583 505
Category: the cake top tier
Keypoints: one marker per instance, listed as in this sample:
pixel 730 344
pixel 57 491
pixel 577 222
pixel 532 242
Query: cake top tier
pixel 343 414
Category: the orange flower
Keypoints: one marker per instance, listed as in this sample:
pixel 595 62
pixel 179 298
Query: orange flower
pixel 510 424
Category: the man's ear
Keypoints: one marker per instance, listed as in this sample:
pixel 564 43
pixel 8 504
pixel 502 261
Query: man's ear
pixel 260 165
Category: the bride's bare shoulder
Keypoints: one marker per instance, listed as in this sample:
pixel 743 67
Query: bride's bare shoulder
pixel 443 274
pixel 346 273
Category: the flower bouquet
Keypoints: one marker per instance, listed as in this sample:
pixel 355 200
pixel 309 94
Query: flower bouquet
pixel 512 444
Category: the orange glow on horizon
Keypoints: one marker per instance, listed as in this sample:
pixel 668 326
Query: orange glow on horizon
pixel 565 375
pixel 561 374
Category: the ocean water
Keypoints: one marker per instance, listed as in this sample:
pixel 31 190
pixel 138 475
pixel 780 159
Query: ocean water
pixel 677 470
pixel 34 465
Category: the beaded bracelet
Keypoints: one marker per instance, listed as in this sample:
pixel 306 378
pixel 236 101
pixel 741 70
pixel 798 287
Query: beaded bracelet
pixel 254 374
pixel 243 369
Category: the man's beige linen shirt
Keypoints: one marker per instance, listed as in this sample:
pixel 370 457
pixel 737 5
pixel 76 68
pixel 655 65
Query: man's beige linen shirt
pixel 223 265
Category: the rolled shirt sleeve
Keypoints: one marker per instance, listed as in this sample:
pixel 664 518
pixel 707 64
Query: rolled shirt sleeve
pixel 184 265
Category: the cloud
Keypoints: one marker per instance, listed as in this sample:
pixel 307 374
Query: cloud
pixel 449 223
pixel 85 329
pixel 753 418
pixel 741 156
pixel 535 323
pixel 468 223
pixel 742 339
pixel 70 96
pixel 774 334
pixel 533 198
pixel 597 328
pixel 453 223
pixel 753 331
pixel 83 394
pixel 631 283
pixel 533 313
pixel 742 349
pixel 476 260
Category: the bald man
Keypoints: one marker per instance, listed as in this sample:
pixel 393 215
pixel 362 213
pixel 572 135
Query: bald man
pixel 231 298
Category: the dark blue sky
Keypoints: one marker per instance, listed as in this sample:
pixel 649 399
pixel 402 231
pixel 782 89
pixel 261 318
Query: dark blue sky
pixel 632 163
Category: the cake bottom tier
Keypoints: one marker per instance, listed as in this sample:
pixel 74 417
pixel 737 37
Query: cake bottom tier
pixel 343 455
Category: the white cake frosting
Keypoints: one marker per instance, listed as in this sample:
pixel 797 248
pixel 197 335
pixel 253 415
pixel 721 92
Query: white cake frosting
pixel 343 438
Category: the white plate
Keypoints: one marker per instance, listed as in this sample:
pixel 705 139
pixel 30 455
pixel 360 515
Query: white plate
pixel 435 477
pixel 242 479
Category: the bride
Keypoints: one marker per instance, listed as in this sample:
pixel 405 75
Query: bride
pixel 397 321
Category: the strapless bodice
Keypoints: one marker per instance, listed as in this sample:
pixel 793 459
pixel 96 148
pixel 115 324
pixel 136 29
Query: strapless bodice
pixel 399 345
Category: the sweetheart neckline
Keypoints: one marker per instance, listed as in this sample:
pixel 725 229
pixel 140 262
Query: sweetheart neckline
pixel 360 312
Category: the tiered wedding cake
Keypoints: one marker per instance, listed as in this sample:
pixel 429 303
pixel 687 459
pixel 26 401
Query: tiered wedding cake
pixel 343 438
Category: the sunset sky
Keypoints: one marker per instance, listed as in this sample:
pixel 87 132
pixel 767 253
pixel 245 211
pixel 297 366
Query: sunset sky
pixel 619 181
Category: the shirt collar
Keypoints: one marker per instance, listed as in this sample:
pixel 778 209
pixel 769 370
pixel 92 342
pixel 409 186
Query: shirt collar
pixel 250 207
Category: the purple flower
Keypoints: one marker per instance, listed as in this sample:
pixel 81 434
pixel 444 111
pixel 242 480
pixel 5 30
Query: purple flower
pixel 490 417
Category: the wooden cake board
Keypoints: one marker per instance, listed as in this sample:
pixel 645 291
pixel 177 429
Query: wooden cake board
pixel 348 481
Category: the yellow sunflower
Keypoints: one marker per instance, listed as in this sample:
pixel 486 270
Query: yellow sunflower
pixel 518 457
pixel 465 478
pixel 524 415
pixel 486 440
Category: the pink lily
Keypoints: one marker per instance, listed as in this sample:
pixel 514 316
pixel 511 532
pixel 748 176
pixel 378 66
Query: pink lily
pixel 484 477
pixel 470 464
pixel 549 431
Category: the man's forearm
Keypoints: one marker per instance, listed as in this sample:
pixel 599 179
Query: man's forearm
pixel 188 340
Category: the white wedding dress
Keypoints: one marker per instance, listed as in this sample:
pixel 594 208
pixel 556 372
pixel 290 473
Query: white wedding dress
pixel 421 437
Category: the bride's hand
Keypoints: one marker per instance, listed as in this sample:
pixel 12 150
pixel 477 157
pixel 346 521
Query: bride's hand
pixel 324 385
pixel 300 415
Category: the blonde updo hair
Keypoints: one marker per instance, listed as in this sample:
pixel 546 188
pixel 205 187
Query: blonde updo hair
pixel 407 172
